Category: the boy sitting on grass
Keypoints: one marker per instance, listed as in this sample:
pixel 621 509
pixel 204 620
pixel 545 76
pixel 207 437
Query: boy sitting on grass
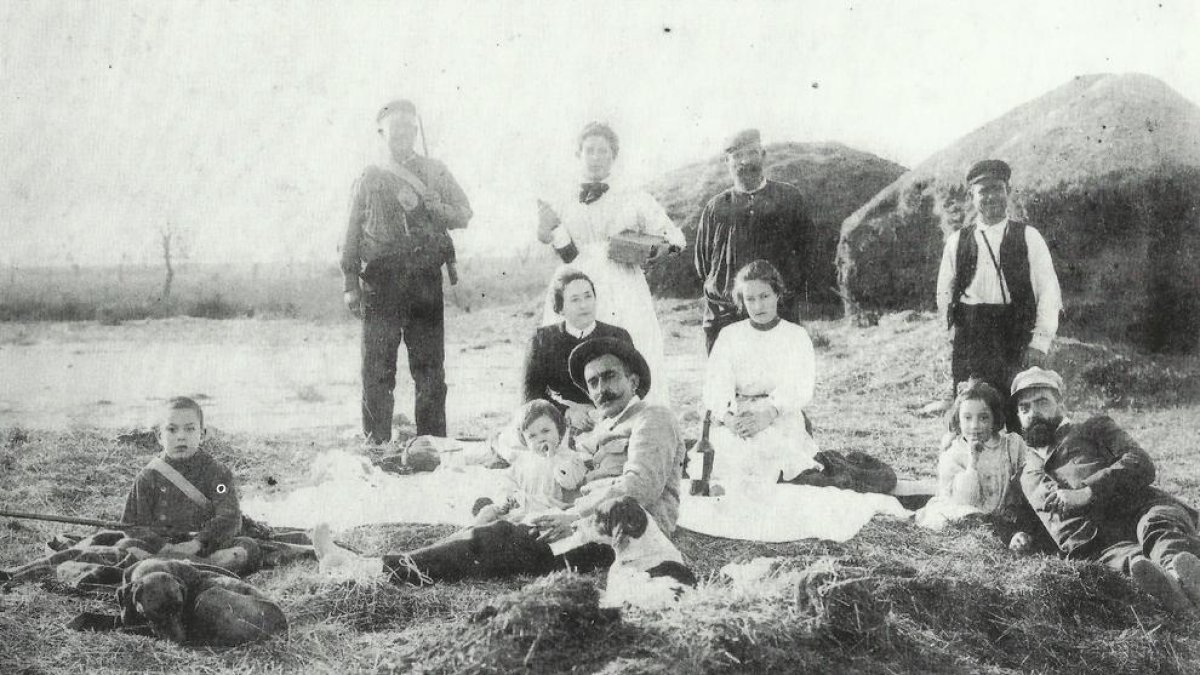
pixel 186 490
pixel 183 495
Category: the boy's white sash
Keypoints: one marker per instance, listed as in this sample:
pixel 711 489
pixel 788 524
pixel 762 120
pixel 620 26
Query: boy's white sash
pixel 167 471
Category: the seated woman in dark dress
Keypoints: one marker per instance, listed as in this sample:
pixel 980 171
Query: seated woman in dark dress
pixel 546 375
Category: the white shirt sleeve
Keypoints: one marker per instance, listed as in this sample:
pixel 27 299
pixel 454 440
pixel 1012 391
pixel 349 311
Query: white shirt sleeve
pixel 656 221
pixel 796 369
pixel 1045 290
pixel 560 238
pixel 945 281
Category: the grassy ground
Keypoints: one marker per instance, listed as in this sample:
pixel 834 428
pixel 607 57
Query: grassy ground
pixel 894 599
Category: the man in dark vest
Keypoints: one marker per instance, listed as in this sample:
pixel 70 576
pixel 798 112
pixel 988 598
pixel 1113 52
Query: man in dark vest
pixel 755 219
pixel 396 243
pixel 996 287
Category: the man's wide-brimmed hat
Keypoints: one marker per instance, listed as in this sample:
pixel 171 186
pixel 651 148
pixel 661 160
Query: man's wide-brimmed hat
pixel 1036 377
pixel 988 168
pixel 592 349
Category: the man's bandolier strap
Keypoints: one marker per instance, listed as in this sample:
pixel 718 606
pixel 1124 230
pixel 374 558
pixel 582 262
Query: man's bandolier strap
pixel 185 486
pixel 395 240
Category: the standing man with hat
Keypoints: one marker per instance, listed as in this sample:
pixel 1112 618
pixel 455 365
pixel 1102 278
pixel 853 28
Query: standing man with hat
pixel 1090 484
pixel 396 243
pixel 757 218
pixel 996 287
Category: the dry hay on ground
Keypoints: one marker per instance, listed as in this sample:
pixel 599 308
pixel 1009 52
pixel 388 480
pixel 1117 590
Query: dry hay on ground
pixel 543 626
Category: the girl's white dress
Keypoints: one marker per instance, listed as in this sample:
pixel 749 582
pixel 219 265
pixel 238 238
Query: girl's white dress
pixel 749 365
pixel 622 294
pixel 970 482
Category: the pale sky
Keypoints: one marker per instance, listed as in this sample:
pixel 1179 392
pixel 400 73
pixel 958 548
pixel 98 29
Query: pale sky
pixel 244 123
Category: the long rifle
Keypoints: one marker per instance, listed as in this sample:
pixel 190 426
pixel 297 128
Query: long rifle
pixel 93 522
pixel 451 264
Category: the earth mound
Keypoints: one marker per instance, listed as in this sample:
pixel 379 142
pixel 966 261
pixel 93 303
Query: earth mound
pixel 1106 166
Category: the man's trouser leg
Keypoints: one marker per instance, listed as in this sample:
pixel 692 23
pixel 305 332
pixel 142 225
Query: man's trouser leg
pixel 981 346
pixel 498 549
pixel 711 331
pixel 1119 555
pixel 425 337
pixel 382 332
pixel 984 347
pixel 1166 530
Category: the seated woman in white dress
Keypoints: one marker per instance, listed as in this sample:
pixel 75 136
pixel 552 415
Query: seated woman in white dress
pixel 579 226
pixel 759 377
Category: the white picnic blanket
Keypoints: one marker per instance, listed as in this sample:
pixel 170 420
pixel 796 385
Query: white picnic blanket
pixel 783 512
pixel 938 513
pixel 345 490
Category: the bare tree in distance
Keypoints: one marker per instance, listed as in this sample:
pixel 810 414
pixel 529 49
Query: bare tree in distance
pixel 170 236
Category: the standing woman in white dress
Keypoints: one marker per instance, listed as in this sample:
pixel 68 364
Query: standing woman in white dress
pixel 579 227
pixel 760 376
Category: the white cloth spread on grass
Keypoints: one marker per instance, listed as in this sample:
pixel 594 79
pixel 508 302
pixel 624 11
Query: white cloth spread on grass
pixel 783 512
pixel 346 490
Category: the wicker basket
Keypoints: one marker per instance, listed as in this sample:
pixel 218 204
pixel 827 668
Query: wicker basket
pixel 635 248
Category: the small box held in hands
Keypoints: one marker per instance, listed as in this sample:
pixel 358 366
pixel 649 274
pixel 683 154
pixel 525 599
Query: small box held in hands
pixel 636 248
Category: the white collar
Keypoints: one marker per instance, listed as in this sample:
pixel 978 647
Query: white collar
pixel 610 180
pixel 616 418
pixel 580 334
pixel 998 227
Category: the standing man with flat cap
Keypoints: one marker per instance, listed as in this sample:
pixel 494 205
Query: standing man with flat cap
pixel 396 243
pixel 755 219
pixel 996 287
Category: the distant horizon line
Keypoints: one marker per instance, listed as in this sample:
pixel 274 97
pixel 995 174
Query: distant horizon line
pixel 182 264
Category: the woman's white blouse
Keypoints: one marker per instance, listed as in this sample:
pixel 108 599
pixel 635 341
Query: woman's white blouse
pixel 779 363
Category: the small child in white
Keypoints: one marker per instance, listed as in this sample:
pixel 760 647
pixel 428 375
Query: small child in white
pixel 544 477
pixel 980 466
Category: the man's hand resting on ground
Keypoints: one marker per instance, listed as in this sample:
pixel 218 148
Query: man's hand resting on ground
pixel 554 526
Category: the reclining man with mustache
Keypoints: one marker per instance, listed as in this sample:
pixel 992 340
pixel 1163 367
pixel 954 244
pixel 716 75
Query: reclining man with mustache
pixel 1090 484
pixel 616 377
